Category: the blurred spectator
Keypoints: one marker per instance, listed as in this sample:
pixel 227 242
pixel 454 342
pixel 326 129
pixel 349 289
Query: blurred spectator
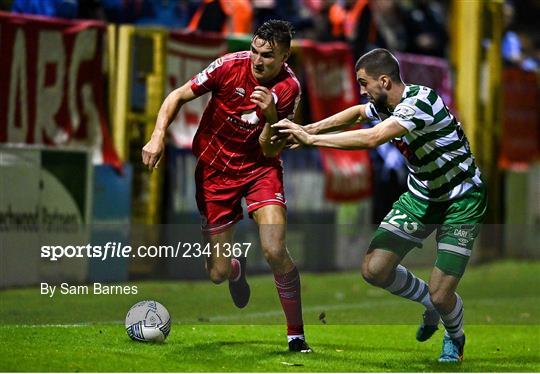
pixel 348 20
pixel 224 16
pixel 241 15
pixel 391 30
pixel 425 23
pixel 531 53
pixel 329 22
pixel 210 16
pixel 519 48
pixel 338 13
pixel 322 25
pixel 298 13
pixel 168 13
pixel 51 8
pixel 511 48
pixel 264 10
pixel 6 5
pixel 124 11
pixel 91 9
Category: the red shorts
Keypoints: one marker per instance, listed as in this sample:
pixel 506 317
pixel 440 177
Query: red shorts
pixel 219 195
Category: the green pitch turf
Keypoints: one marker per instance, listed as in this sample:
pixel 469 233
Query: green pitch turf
pixel 364 329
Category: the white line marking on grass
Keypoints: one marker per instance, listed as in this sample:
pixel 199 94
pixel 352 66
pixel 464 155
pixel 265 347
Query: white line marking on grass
pixel 225 318
pixel 315 308
pixel 67 325
pixel 279 312
pixel 362 305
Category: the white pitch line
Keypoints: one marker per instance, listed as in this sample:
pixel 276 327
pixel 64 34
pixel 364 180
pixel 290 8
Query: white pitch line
pixel 67 325
pixel 315 308
pixel 272 313
pixel 362 305
pixel 278 313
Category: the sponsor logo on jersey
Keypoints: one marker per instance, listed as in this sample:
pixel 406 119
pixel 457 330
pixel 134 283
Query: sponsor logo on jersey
pixel 240 91
pixel 462 233
pixel 203 75
pixel 214 65
pixel 463 241
pixel 201 78
pixel 250 117
pixel 404 111
pixel 247 122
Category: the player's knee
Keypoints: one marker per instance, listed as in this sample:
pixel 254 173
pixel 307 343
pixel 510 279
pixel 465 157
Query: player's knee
pixel 373 274
pixel 218 275
pixel 274 251
pixel 275 256
pixel 368 274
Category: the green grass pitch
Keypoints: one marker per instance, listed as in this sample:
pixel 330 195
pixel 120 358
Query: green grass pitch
pixel 365 329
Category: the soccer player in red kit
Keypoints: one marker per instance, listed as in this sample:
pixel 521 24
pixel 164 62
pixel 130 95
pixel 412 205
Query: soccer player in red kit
pixel 251 90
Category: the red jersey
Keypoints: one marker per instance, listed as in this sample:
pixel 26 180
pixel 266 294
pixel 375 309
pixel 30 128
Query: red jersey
pixel 228 136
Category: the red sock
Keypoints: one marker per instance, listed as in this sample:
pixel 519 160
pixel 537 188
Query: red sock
pixel 288 287
pixel 235 270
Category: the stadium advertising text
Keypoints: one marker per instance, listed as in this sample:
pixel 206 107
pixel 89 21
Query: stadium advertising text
pixel 32 220
pixel 53 93
pixel 56 69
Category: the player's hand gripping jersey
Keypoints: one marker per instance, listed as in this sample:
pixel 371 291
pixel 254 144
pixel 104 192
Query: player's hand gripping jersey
pixel 228 136
pixel 439 159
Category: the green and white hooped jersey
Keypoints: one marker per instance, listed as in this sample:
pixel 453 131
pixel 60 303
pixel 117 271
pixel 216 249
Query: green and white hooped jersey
pixel 438 154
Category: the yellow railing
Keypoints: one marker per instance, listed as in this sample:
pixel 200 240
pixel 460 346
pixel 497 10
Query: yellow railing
pixel 132 127
pixel 476 48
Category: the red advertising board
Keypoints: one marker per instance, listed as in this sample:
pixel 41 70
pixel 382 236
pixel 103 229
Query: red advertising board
pixel 520 136
pixel 331 85
pixel 52 87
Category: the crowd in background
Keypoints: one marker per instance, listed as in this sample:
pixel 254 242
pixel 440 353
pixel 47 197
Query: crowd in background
pixel 414 26
pixel 520 45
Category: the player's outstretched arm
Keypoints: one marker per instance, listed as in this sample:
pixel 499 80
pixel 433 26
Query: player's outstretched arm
pixel 153 150
pixel 356 139
pixel 339 121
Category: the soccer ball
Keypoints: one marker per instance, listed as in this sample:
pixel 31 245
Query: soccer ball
pixel 148 321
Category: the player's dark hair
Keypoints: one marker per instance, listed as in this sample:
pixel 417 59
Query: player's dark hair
pixel 276 32
pixel 379 62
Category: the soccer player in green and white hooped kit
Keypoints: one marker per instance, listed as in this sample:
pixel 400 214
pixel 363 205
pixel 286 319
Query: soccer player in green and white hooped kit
pixel 445 190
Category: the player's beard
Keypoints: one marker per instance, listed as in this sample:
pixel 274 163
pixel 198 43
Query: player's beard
pixel 381 102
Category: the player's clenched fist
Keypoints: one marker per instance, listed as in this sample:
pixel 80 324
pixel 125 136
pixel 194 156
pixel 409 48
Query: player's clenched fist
pixel 262 96
pixel 152 152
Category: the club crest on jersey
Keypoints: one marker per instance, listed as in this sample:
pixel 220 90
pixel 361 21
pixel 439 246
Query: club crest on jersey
pixel 404 111
pixel 240 91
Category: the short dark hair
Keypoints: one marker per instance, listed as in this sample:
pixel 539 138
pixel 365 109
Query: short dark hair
pixel 378 62
pixel 276 32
